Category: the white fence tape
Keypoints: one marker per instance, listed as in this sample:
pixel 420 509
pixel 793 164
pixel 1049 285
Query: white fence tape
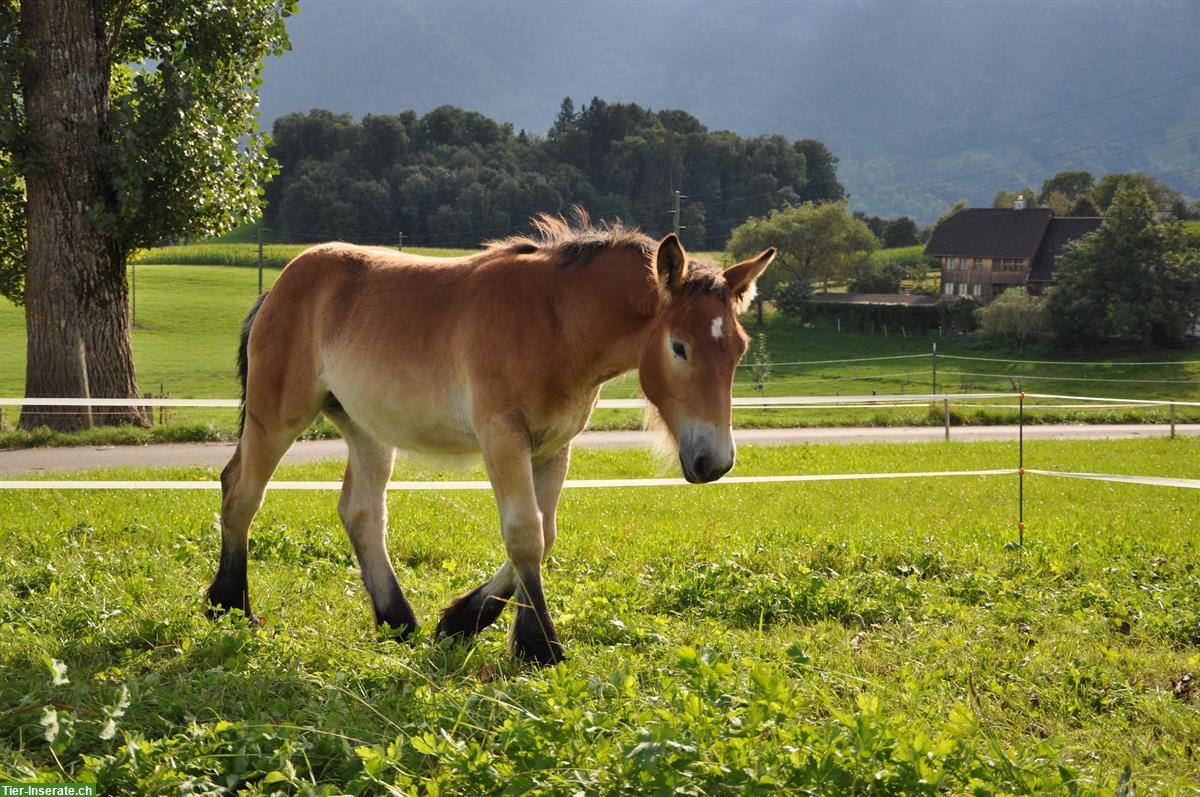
pixel 51 484
pixel 446 486
pixel 1154 481
pixel 630 404
pixel 1144 402
pixel 108 402
pixel 638 403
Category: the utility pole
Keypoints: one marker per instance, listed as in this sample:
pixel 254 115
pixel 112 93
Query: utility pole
pixel 260 258
pixel 675 212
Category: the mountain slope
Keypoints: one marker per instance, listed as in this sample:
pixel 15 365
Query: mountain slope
pixel 924 103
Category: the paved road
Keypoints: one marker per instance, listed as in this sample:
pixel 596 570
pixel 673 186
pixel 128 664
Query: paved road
pixel 165 455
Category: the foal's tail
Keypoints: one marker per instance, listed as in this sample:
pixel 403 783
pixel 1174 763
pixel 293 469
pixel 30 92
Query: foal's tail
pixel 243 362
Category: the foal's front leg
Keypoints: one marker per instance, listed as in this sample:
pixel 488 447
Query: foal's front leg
pixel 475 610
pixel 507 456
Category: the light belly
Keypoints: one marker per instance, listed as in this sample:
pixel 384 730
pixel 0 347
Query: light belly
pixel 422 416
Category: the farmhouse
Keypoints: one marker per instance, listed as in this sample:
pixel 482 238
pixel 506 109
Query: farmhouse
pixel 985 251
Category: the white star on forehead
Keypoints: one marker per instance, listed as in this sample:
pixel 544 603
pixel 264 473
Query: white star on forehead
pixel 718 326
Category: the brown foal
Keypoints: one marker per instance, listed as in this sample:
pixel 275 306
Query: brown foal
pixel 501 354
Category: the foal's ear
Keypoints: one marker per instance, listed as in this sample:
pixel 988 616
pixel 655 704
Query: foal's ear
pixel 741 277
pixel 670 264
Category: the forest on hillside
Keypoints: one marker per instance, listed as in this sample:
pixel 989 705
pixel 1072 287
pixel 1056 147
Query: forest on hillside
pixel 456 178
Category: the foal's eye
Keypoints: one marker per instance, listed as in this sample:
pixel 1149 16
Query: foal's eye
pixel 679 349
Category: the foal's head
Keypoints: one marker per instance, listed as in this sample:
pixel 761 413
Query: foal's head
pixel 689 358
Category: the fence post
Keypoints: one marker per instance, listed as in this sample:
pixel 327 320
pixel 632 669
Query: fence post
pixel 1172 420
pixel 1021 472
pixel 933 360
pixel 946 413
pixel 81 350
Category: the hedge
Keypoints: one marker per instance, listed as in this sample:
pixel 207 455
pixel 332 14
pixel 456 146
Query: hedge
pixel 949 315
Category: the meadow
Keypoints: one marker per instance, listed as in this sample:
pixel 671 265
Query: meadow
pixel 187 319
pixel 858 637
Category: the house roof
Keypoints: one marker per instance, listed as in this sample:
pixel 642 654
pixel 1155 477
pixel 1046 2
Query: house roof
pixel 990 232
pixel 1059 233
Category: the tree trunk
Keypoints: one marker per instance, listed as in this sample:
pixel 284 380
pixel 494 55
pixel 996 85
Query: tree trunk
pixel 76 298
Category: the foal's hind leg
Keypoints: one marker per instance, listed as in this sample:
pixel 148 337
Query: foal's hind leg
pixel 243 484
pixel 363 509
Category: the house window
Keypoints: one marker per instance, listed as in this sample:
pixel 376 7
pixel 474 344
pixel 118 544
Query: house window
pixel 962 289
pixel 978 289
pixel 948 288
pixel 977 263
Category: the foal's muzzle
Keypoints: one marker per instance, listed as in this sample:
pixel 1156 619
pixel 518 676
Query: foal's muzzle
pixel 704 454
pixel 703 469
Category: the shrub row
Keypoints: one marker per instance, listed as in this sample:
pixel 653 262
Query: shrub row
pixel 949 315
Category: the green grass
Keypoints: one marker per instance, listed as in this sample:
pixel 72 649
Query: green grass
pixel 188 318
pixel 844 638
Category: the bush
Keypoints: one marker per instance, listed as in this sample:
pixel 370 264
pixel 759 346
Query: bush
pixel 958 313
pixel 952 315
pixel 792 298
pixel 1015 316
pixel 867 276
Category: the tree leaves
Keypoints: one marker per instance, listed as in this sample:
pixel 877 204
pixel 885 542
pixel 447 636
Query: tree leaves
pixel 181 148
pixel 1134 280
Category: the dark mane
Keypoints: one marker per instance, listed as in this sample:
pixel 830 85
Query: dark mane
pixel 574 244
pixel 705 278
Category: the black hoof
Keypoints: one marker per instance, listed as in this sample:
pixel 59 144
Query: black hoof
pixel 397 623
pixel 470 613
pixel 535 640
pixel 399 633
pixel 218 608
pixel 230 589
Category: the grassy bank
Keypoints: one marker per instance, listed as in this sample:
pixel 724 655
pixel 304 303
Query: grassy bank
pixel 841 637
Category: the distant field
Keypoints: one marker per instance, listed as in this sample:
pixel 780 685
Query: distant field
pixel 860 637
pixel 903 254
pixel 188 319
pixel 246 254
